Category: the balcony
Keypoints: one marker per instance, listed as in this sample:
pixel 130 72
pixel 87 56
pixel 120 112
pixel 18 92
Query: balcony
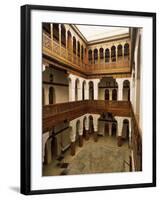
pixel 119 66
pixel 60 53
pixel 66 56
pixel 57 113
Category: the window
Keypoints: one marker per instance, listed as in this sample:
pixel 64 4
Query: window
pixel 126 49
pixel 63 35
pixel 56 32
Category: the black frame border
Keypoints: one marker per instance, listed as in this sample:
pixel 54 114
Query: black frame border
pixel 25 181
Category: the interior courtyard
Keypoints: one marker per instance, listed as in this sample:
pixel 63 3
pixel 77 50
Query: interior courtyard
pixel 91 99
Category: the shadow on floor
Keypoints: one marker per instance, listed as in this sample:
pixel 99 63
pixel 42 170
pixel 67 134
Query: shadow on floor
pixel 15 189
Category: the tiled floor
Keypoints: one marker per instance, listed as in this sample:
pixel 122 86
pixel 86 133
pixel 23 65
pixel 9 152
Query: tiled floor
pixel 103 156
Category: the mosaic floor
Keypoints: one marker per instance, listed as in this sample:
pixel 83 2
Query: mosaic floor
pixel 103 156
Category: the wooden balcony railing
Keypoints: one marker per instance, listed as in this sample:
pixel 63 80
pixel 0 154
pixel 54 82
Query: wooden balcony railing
pixel 54 114
pixel 54 49
pixel 119 65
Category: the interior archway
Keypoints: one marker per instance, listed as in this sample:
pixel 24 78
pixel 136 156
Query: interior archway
pixel 91 128
pixel 126 90
pixel 125 130
pixel 113 53
pixel 76 89
pixel 52 98
pixel 69 41
pixel 107 55
pixel 119 51
pixel 106 95
pixel 56 32
pixel 114 128
pixel 95 56
pixel 91 91
pixel 114 95
pixel 83 90
pixel 63 35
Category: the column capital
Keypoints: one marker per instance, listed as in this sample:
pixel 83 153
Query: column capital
pixel 96 81
pixel 72 76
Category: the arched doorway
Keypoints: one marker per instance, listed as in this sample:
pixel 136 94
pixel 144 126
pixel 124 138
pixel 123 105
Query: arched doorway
pixel 114 128
pixel 74 45
pixel 63 35
pixel 91 128
pixel 95 56
pixel 90 56
pixel 126 90
pixel 91 91
pixel 54 147
pixel 126 50
pixel 78 137
pixel 107 55
pixel 101 55
pixel 119 51
pixel 114 95
pixel 113 53
pixel 106 95
pixel 69 45
pixel 78 48
pixel 69 40
pixel 51 95
pixel 48 152
pixel 56 32
pixel 84 124
pixel 125 130
pixel 76 89
pixel 83 89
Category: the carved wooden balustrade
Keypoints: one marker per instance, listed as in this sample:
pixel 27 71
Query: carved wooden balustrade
pixel 53 49
pixel 120 65
pixel 66 56
pixel 56 113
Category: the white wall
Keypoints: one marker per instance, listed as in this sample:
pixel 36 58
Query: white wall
pixel 61 92
pixel 58 76
pixel 101 92
pixel 10 122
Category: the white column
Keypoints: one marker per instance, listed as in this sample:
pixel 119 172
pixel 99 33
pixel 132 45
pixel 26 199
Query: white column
pixel 43 67
pixel 110 94
pixel 86 90
pixel 119 125
pixel 120 88
pixel 46 95
pixel 95 85
pixel 45 136
pixel 73 131
pixel 80 131
pixel 79 88
pixel 72 87
pixel 95 121
pixel 86 125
